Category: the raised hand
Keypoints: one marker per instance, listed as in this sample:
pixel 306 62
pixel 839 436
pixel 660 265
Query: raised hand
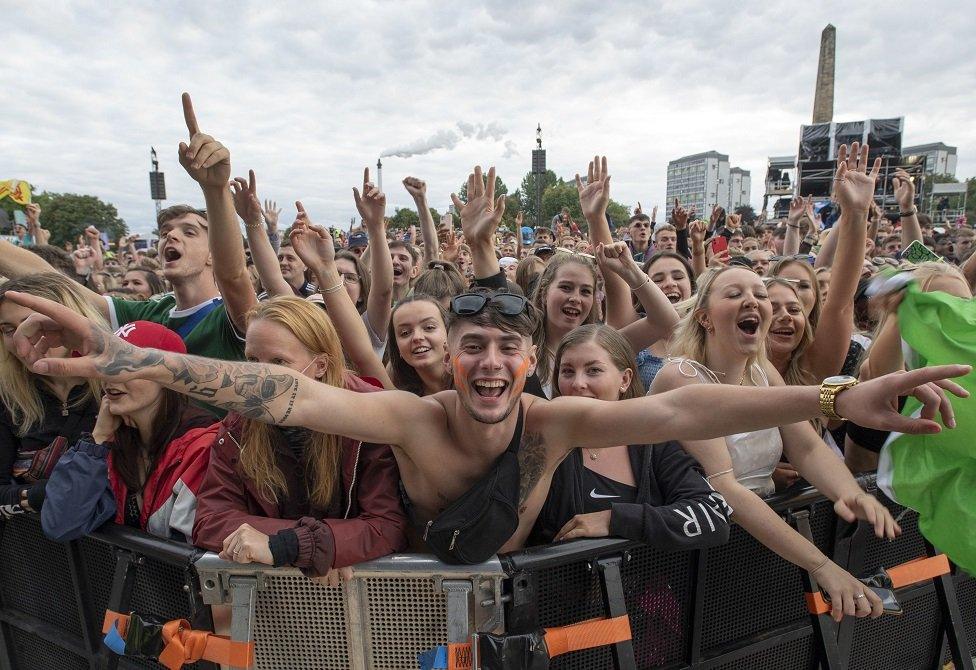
pixel 271 212
pixel 450 246
pixel 696 232
pixel 33 211
pixel 874 404
pixel 853 184
pixel 904 189
pixel 679 216
pixel 519 219
pixel 313 244
pixel 416 188
pixel 796 209
pixel 638 209
pixel 654 214
pixel 371 203
pixel 100 354
pixel 246 203
pixel 616 258
pixel 482 213
pixel 205 159
pixel 82 257
pixel 595 195
pixel 732 221
pixel 717 212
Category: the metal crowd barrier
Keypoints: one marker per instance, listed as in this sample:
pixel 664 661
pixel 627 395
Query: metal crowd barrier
pixel 735 606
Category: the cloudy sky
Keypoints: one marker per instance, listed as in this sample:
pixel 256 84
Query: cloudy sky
pixel 308 97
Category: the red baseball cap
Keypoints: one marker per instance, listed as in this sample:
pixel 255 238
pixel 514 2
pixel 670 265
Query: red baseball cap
pixel 149 335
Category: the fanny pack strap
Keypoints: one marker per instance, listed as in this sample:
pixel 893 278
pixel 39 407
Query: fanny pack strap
pixel 513 446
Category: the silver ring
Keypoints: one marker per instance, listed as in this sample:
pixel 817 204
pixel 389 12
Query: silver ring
pixel 859 595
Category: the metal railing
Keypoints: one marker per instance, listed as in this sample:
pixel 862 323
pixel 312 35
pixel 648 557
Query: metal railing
pixel 735 606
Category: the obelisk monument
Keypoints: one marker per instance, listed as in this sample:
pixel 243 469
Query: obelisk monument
pixel 823 100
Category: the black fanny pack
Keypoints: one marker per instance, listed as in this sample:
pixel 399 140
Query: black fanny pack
pixel 476 525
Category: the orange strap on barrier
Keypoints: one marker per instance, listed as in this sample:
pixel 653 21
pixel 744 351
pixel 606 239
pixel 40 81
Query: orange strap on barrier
pixel 561 640
pixel 185 645
pixel 587 634
pixel 919 570
pixel 816 603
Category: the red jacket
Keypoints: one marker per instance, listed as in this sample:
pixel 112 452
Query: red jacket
pixel 373 526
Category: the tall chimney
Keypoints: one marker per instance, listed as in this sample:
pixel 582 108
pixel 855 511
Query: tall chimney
pixel 379 174
pixel 823 99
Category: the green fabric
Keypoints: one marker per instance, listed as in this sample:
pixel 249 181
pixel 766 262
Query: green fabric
pixel 936 474
pixel 213 337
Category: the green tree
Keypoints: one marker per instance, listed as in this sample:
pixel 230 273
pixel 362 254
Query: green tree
pixel 747 213
pixel 403 218
pixel 66 215
pixel 618 213
pixel 564 194
pixel 527 194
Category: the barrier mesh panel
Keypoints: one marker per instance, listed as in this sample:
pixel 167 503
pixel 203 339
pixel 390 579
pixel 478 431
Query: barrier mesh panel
pixel 908 641
pixel 908 546
pixel 300 625
pixel 966 592
pixel 406 616
pixel 730 584
pixel 54 602
pixel 656 587
pixel 35 652
pixel 795 655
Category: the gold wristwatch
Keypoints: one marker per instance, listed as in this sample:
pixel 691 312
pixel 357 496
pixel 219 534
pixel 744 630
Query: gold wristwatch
pixel 829 390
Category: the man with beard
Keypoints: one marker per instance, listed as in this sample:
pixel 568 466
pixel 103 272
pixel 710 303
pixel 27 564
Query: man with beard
pixel 446 443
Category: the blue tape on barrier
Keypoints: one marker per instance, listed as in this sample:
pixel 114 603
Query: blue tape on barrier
pixel 433 659
pixel 114 641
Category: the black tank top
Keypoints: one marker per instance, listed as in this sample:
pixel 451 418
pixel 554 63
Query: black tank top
pixel 600 492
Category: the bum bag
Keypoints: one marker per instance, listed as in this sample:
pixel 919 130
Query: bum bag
pixel 476 525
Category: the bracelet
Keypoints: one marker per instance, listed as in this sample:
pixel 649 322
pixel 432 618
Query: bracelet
pixel 647 280
pixel 717 474
pixel 252 226
pixel 332 289
pixel 825 562
pixel 912 212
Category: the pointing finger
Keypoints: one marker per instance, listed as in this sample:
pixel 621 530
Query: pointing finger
pixel 252 181
pixel 189 116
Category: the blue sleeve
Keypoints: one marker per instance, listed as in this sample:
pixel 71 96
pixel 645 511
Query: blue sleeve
pixel 79 498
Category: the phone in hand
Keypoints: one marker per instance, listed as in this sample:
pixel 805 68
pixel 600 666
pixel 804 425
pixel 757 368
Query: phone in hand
pixel 719 244
pixel 888 600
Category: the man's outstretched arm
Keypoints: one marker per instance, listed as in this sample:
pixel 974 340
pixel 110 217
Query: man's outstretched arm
pixel 268 393
pixel 705 411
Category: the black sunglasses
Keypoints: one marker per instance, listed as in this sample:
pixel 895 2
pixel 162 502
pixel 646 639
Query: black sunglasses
pixel 469 304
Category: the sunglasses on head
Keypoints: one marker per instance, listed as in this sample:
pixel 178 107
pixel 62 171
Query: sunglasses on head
pixel 469 304
pixel 440 265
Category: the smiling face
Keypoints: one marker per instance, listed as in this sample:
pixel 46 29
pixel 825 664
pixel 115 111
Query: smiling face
pixel 271 343
pixel 136 280
pixel 737 312
pixel 569 297
pixel 421 337
pixel 292 267
pixel 805 287
pixel 788 321
pixel 585 370
pixel 671 277
pixel 490 367
pixel 183 247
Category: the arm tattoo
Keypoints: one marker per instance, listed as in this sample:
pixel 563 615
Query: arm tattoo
pixel 254 390
pixel 532 463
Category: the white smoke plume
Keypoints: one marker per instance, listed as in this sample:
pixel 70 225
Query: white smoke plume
pixel 449 138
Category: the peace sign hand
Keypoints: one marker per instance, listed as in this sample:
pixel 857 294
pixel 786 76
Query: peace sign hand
pixel 205 159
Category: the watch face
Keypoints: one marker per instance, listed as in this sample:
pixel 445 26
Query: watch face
pixel 838 380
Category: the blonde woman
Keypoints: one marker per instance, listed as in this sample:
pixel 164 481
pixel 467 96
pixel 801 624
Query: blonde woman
pixel 289 496
pixel 722 341
pixel 38 410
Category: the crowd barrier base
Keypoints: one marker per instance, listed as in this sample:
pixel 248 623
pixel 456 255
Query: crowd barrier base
pixel 735 606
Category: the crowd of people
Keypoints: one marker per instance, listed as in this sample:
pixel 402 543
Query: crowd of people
pixel 317 398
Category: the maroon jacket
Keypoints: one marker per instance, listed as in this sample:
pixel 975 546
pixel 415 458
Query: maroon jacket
pixel 374 525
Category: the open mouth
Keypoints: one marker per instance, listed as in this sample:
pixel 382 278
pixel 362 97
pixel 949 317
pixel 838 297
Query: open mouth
pixel 171 255
pixel 421 350
pixel 490 388
pixel 748 324
pixel 785 331
pixel 114 393
pixel 397 271
pixel 673 296
pixel 572 312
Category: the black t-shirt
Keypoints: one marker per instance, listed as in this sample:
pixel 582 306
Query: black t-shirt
pixel 601 492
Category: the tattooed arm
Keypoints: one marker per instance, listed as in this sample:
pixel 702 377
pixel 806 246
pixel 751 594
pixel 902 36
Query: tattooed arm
pixel 267 393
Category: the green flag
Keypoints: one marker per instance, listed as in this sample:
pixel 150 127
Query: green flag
pixel 936 474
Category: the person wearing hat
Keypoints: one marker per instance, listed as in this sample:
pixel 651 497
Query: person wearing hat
pixel 143 463
pixel 23 239
pixel 358 242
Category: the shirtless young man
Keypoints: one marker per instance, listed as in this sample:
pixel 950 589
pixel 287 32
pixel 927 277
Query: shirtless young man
pixel 446 442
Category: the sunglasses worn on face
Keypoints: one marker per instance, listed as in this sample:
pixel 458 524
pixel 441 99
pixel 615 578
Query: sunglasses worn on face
pixel 469 304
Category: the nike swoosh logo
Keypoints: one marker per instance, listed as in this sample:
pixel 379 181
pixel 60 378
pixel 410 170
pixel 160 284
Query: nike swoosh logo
pixel 594 494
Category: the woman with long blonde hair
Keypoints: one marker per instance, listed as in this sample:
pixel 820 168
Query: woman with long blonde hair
pixel 288 496
pixel 35 410
pixel 722 340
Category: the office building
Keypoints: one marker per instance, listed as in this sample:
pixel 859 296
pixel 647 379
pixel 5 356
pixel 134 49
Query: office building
pixel 701 181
